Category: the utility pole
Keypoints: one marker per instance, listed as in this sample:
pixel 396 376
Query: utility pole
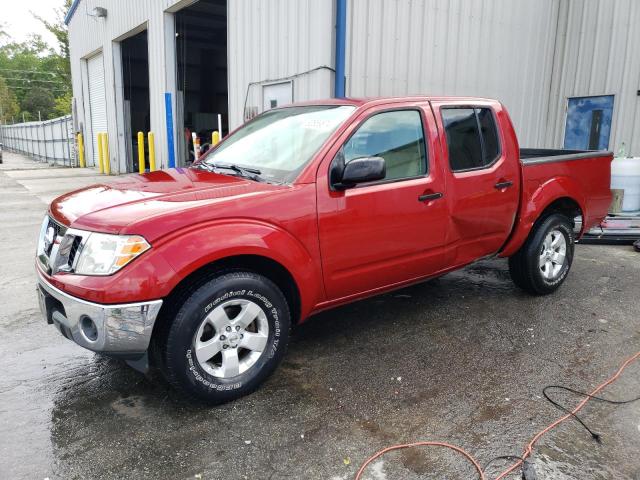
pixel 39 116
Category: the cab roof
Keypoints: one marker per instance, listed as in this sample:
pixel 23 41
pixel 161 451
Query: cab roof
pixel 370 101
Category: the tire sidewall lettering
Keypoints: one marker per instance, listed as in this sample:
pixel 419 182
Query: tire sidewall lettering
pixel 222 298
pixel 198 377
pixel 217 384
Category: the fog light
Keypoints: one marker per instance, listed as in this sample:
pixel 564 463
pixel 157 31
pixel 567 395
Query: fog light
pixel 89 328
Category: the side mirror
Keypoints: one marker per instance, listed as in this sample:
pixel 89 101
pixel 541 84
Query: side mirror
pixel 358 170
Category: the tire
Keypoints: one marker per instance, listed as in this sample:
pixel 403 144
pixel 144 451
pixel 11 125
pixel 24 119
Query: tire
pixel 543 262
pixel 227 337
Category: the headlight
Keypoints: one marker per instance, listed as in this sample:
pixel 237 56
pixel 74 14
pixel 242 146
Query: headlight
pixel 104 254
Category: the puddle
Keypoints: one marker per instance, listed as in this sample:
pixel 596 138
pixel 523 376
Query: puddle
pixel 131 407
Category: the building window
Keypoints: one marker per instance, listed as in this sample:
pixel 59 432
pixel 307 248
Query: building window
pixel 472 137
pixel 588 123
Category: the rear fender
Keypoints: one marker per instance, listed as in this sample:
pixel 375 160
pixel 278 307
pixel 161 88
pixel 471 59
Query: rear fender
pixel 203 245
pixel 533 205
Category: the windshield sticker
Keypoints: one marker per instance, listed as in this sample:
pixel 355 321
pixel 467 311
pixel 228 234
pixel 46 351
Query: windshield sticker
pixel 318 124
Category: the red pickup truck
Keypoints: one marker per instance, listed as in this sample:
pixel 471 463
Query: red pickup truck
pixel 202 271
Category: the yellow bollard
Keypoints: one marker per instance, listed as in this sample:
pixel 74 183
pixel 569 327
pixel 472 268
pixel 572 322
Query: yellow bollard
pixel 141 167
pixel 100 153
pixel 152 152
pixel 81 151
pixel 215 137
pixel 105 148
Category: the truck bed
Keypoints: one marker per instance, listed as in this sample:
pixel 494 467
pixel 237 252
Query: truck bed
pixel 589 178
pixel 614 228
pixel 546 155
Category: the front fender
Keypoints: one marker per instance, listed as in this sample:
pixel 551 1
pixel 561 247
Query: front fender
pixel 201 245
pixel 536 198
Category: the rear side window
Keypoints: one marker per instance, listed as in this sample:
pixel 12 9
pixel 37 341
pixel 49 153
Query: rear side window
pixel 472 137
pixel 489 135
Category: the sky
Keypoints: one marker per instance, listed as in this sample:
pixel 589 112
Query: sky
pixel 19 22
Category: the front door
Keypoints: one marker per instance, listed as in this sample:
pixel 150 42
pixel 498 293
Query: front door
pixel 588 123
pixel 483 179
pixel 386 232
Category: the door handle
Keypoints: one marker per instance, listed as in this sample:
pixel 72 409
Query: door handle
pixel 501 185
pixel 429 196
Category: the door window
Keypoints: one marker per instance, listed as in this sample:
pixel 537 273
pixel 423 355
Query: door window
pixel 472 137
pixel 395 136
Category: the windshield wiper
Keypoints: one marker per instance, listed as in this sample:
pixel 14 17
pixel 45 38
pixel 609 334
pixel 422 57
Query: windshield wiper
pixel 237 168
pixel 246 172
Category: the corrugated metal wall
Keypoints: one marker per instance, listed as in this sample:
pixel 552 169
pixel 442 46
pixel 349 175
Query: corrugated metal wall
pixel 499 49
pixel 598 53
pixel 49 141
pixel 530 54
pixel 267 41
pixel 88 35
pixel 279 39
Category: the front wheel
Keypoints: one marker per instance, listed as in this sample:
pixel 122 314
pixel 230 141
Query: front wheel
pixel 228 336
pixel 543 262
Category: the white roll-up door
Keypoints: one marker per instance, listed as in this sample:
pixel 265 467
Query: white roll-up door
pixel 97 101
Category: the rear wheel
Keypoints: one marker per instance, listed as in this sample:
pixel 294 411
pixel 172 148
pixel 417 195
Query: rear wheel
pixel 543 262
pixel 228 336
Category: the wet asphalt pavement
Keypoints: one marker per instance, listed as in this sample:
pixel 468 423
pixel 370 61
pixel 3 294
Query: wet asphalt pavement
pixel 461 359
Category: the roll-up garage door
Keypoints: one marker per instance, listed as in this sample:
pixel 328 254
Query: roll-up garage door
pixel 97 101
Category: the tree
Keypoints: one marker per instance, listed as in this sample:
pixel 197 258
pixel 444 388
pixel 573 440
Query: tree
pixel 37 75
pixel 39 103
pixel 3 34
pixel 63 105
pixel 26 65
pixel 60 31
pixel 8 103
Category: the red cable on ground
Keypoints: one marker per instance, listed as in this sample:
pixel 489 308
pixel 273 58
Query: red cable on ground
pixel 527 451
pixel 422 444
pixel 535 439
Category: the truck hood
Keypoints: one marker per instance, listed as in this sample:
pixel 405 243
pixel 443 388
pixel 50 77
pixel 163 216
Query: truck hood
pixel 119 205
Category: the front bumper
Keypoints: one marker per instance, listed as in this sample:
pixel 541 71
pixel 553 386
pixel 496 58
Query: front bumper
pixel 123 329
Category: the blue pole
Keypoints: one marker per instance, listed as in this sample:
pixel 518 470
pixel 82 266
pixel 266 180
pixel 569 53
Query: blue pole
pixel 341 41
pixel 169 115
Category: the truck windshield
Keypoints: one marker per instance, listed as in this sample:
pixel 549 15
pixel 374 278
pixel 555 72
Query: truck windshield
pixel 279 143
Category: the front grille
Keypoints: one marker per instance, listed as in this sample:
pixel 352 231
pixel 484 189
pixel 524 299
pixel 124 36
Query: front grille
pixel 75 245
pixel 58 233
pixel 54 246
pixel 66 253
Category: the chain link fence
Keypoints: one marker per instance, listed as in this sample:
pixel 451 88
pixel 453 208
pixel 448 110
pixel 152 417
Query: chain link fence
pixel 50 141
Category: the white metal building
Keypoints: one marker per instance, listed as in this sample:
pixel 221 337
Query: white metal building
pixel 568 70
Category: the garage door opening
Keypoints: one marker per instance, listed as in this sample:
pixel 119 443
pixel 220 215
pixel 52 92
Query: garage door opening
pixel 202 91
pixel 97 102
pixel 135 81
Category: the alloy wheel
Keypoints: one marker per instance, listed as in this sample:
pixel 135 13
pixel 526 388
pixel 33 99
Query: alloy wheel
pixel 231 338
pixel 553 254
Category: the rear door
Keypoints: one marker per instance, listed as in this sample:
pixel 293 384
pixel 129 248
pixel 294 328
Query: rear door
pixel 483 180
pixel 386 232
